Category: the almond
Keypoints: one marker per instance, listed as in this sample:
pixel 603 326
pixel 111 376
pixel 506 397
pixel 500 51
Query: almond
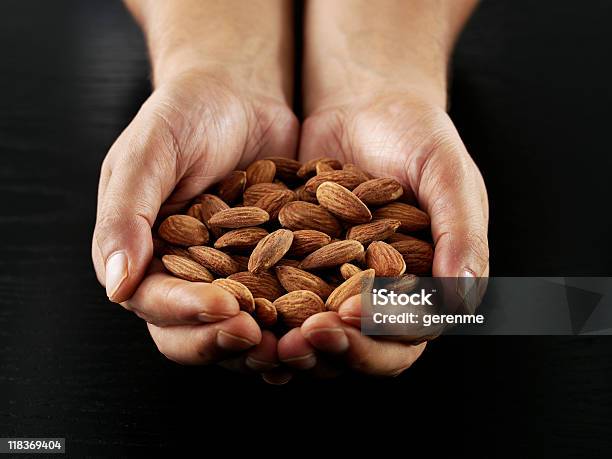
pixel 411 218
pixel 261 171
pixel 195 211
pixel 323 167
pixel 241 238
pixel 230 189
pixel 243 262
pixel 304 195
pixel 378 230
pixel 397 237
pixel 354 285
pixel 345 178
pixel 307 241
pixel 295 307
pixel 417 254
pixel 214 260
pixel 242 294
pixel 255 192
pixel 161 248
pixel 311 166
pixel 209 206
pixel 183 230
pixel 186 268
pixel 333 254
pixel 349 270
pixel 297 279
pixel 288 262
pixel 385 260
pixel 343 203
pixel 404 284
pixel 265 312
pixel 239 217
pixel 378 192
pixel 274 202
pixel 181 252
pixel 269 250
pixel 263 285
pixel 286 169
pixel 364 176
pixel 300 215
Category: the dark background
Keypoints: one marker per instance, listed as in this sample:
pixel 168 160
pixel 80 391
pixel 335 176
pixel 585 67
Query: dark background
pixel 531 99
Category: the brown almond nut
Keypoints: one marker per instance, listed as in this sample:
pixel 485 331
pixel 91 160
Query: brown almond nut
pixel 297 279
pixel 255 192
pixel 323 167
pixel 397 237
pixel 356 170
pixel 333 254
pixel 411 218
pixel 378 230
pixel 263 284
pixel 243 262
pixel 286 169
pixel 265 312
pixel 260 171
pixel 345 178
pixel 209 206
pixel 378 192
pixel 307 241
pixel 341 202
pixel 214 260
pixel 180 251
pixel 348 270
pixel 310 167
pixel 241 238
pixel 270 249
pixel 288 262
pixel 240 292
pixel 186 268
pixel 295 307
pixel 385 260
pixel 354 285
pixel 239 217
pixel 417 254
pixel 183 230
pixel 195 211
pixel 303 195
pixel 274 202
pixel 404 284
pixel 230 189
pixel 300 215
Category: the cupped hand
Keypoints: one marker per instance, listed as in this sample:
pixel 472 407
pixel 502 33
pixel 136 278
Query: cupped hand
pixel 405 136
pixel 192 131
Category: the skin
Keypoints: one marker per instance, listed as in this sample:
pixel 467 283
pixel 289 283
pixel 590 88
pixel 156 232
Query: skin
pixel 374 92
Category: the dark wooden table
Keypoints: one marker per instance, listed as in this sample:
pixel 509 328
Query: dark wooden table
pixel 531 97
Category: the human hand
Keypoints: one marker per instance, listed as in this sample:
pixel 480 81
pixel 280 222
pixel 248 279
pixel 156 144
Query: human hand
pixel 405 136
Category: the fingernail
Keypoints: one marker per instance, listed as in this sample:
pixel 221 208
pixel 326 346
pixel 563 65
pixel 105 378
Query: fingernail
pixel 329 339
pixel 208 318
pixel 259 365
pixel 465 286
pixel 354 321
pixel 231 342
pixel 116 273
pixel 277 378
pixel 303 362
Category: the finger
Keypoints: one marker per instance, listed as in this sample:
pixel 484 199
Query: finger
pixel 263 357
pixel 451 190
pixel 164 300
pixel 328 334
pixel 205 344
pixel 295 351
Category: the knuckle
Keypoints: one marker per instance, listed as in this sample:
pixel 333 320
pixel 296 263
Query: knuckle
pixel 478 246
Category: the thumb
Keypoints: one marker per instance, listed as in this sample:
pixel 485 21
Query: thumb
pixel 138 174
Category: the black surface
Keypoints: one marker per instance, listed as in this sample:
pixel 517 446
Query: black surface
pixel 531 98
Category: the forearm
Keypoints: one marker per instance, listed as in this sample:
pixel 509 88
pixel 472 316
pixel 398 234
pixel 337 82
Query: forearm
pixel 232 39
pixel 354 46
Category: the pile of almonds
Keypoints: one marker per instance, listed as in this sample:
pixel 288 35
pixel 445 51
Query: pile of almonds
pixel 289 240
